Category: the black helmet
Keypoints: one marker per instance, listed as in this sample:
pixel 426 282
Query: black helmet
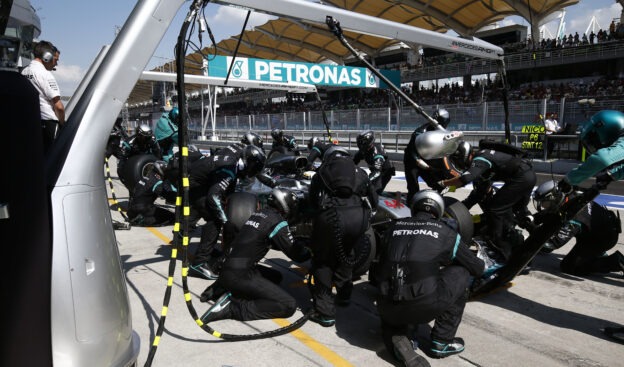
pixel 174 115
pixel 312 142
pixel 335 150
pixel 463 155
pixel 277 134
pixel 429 201
pixel 547 196
pixel 365 140
pixel 254 158
pixel 284 200
pixel 442 116
pixel 251 138
pixel 144 130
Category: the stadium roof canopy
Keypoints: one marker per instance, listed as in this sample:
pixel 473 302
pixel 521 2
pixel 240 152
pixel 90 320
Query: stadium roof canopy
pixel 296 40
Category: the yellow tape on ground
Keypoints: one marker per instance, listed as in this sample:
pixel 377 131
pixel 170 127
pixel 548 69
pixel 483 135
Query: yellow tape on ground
pixel 320 349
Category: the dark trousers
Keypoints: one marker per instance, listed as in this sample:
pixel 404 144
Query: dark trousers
pixel 335 233
pixel 49 133
pixel 411 176
pixel 514 194
pixel 209 237
pixel 445 306
pixel 254 297
pixel 152 216
pixel 586 257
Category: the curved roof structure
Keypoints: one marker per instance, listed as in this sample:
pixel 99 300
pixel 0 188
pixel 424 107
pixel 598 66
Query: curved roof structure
pixel 296 40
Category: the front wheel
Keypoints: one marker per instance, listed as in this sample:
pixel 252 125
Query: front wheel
pixel 455 209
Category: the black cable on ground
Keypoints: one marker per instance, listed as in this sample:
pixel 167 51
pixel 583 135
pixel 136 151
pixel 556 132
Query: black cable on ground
pixel 115 202
pixel 181 226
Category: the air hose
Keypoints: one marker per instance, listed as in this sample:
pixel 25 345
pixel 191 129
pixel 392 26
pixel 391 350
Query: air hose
pixel 343 257
pixel 182 212
pixel 115 202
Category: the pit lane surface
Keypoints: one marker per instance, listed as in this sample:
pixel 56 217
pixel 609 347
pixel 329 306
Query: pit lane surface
pixel 544 319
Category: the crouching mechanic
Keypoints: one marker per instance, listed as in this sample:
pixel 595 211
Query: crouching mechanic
pixel 211 180
pixel 424 272
pixel 141 209
pixel 595 228
pixel 249 295
pixel 603 137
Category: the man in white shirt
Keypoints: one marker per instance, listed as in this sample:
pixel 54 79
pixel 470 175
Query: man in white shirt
pixel 52 108
pixel 551 126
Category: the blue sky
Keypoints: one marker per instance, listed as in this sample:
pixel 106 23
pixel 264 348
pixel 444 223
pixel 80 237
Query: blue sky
pixel 80 28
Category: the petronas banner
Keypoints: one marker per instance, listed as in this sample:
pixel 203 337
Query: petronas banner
pixel 301 72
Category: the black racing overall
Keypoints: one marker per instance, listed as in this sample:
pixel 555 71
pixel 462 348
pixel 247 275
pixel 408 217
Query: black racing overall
pixel 340 222
pixel 424 273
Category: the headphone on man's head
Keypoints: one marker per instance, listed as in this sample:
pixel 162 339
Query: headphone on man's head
pixel 47 51
pixel 47 56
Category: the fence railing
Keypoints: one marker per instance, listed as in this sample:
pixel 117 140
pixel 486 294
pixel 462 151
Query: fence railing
pixel 564 146
pixel 487 116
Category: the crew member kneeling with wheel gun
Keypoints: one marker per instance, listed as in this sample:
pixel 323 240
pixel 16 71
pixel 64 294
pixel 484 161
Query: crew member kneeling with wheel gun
pixel 424 273
pixel 248 294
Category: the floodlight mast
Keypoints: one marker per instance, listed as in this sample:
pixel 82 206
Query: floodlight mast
pixel 360 23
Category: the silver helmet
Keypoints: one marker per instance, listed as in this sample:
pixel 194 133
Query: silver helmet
pixel 428 201
pixel 547 196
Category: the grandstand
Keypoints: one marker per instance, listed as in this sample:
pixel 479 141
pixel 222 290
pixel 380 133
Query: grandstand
pixel 545 76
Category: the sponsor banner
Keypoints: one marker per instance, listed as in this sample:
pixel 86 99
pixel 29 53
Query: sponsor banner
pixel 301 72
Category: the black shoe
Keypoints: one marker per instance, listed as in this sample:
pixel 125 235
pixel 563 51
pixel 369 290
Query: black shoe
pixel 325 321
pixel 203 270
pixel 405 352
pixel 527 268
pixel 221 310
pixel 212 292
pixel 442 350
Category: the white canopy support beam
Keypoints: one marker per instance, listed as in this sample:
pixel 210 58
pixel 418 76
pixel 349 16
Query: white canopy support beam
pixel 356 22
pixel 292 87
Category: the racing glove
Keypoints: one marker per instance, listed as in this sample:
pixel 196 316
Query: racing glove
pixel 603 179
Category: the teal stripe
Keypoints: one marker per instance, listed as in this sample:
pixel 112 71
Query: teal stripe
pixel 230 173
pixel 279 226
pixel 156 185
pixel 379 156
pixel 484 160
pixel 317 149
pixel 457 240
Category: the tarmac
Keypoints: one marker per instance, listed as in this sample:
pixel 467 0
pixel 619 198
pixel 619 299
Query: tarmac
pixel 544 318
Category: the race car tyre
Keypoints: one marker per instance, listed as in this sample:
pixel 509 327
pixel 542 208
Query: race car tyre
pixel 361 267
pixel 131 170
pixel 457 210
